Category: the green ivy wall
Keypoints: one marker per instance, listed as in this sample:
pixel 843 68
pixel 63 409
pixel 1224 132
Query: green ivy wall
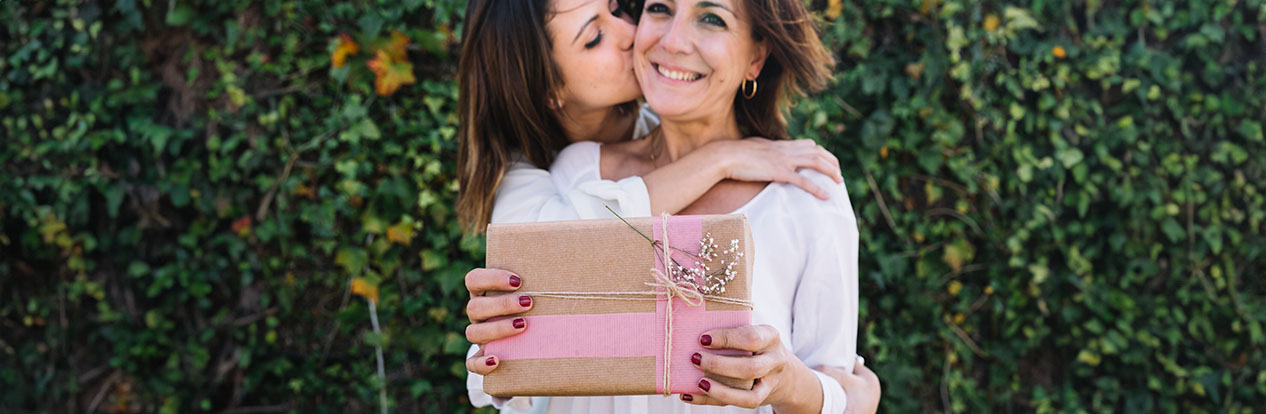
pixel 1061 203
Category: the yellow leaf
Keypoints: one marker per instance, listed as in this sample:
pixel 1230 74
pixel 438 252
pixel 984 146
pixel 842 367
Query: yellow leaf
pixel 927 6
pixel 992 22
pixel 391 75
pixel 362 288
pixel 834 8
pixel 1059 52
pixel 401 233
pixel 954 287
pixel 957 254
pixel 345 47
pixel 398 47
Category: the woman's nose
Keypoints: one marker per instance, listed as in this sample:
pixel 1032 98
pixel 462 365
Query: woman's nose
pixel 677 37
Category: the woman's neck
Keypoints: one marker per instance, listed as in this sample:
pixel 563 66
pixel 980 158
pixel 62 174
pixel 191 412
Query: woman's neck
pixel 683 137
pixel 605 125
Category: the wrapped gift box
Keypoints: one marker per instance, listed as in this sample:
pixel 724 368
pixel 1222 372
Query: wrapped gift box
pixel 597 326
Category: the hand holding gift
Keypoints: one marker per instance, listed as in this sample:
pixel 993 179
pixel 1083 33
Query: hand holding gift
pixel 481 308
pixel 777 372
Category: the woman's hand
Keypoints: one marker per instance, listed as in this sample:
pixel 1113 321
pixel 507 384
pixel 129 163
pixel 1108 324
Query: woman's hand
pixel 861 386
pixel 781 379
pixel 480 308
pixel 760 159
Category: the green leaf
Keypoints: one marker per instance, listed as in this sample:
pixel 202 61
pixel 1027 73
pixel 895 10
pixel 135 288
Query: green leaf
pixel 180 16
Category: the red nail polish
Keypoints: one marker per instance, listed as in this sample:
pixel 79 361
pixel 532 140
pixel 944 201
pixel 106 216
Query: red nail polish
pixel 525 301
pixel 519 323
pixel 687 397
pixel 491 361
pixel 704 385
pixel 704 340
pixel 696 358
pixel 515 281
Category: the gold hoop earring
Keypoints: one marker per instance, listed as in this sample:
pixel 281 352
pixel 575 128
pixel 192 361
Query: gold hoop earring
pixel 746 94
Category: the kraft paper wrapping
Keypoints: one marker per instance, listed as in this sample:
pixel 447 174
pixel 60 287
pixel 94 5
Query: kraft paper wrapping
pixel 590 347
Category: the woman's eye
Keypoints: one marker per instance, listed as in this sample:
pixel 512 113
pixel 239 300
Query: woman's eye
pixel 594 42
pixel 657 8
pixel 713 19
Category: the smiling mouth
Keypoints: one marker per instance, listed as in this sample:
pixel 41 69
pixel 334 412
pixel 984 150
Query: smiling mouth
pixel 676 74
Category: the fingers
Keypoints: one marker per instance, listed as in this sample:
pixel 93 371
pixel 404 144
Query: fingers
pixel 482 333
pixel 481 364
pixel 481 308
pixel 807 185
pixel 752 338
pixel 716 393
pixel 735 366
pixel 481 280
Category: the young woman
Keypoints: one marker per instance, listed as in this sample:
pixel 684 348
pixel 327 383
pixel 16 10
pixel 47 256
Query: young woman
pixel 538 74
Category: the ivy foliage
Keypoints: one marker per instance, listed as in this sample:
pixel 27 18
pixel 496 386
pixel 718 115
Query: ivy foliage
pixel 1061 203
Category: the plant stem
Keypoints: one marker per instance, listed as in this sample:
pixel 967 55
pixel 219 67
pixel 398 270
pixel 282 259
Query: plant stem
pixel 382 376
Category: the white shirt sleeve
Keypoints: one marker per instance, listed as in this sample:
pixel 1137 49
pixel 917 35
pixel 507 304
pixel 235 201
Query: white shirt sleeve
pixel 478 398
pixel 824 316
pixel 567 191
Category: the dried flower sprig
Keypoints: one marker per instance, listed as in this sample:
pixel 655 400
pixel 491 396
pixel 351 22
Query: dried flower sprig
pixel 700 275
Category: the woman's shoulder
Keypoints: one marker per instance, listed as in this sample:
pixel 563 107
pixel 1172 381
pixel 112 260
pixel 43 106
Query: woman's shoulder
pixel 575 164
pixel 798 202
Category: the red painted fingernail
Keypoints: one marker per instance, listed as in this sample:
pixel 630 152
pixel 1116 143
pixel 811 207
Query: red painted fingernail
pixel 525 301
pixel 491 361
pixel 515 281
pixel 687 397
pixel 704 385
pixel 519 323
pixel 696 358
pixel 704 340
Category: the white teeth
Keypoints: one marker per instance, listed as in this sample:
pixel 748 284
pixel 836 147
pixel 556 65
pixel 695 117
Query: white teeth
pixel 681 76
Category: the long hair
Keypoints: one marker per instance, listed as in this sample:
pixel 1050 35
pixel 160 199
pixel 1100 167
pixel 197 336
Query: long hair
pixel 506 77
pixel 797 64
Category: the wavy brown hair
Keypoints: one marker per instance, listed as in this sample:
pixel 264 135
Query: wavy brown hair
pixel 505 78
pixel 797 64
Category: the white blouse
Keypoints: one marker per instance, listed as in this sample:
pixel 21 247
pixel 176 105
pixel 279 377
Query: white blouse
pixel 805 282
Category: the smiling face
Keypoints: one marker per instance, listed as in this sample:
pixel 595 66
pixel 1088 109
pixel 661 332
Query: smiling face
pixel 691 56
pixel 592 44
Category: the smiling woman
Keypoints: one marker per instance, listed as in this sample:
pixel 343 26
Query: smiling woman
pixel 715 70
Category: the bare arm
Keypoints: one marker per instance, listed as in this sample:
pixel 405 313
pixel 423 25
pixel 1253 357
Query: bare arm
pixel 675 186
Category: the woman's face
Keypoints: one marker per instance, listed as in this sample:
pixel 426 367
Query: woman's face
pixel 593 48
pixel 691 56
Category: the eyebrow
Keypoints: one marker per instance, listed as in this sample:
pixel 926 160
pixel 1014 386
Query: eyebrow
pixel 582 28
pixel 707 4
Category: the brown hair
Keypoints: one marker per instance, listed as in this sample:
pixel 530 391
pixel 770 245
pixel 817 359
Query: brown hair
pixel 797 64
pixel 506 77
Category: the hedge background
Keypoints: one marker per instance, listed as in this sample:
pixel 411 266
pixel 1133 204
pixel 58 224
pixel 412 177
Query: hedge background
pixel 1061 203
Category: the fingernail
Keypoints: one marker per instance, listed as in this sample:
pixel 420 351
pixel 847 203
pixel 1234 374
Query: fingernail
pixel 525 301
pixel 687 397
pixel 519 323
pixel 491 361
pixel 705 340
pixel 515 281
pixel 704 385
pixel 696 358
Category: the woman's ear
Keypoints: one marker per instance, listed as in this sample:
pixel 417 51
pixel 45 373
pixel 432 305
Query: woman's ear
pixel 760 53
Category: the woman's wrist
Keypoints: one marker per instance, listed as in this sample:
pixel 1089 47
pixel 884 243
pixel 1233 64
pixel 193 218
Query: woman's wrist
pixel 716 156
pixel 804 395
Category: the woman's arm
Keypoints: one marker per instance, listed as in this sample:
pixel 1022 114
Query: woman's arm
pixel 675 186
pixel 530 194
